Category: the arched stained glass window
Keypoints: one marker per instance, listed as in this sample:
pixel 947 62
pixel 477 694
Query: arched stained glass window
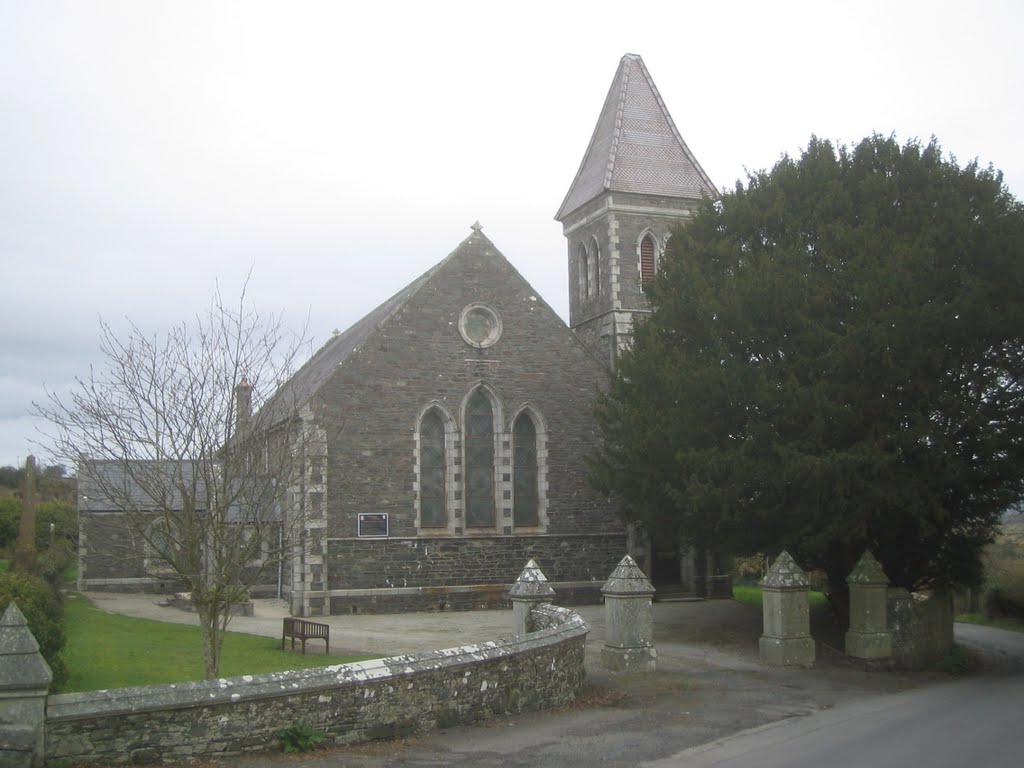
pixel 524 465
pixel 433 496
pixel 479 469
pixel 646 262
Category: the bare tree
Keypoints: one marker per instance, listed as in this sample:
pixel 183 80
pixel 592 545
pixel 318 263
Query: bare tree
pixel 171 431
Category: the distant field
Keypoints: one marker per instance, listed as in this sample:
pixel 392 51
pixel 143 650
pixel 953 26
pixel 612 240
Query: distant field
pixel 109 651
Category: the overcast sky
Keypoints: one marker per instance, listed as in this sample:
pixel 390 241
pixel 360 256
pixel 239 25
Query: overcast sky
pixel 149 150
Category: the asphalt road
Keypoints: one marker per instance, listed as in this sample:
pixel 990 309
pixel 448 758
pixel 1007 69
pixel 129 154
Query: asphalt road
pixel 974 722
pixel 971 722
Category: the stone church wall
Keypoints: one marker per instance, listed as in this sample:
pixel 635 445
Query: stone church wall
pixel 112 557
pixel 462 574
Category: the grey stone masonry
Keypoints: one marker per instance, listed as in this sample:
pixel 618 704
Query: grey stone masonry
pixel 530 590
pixel 24 681
pixel 629 624
pixel 921 625
pixel 375 699
pixel 868 636
pixel 787 637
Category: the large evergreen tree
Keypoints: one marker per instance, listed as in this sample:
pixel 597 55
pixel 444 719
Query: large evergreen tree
pixel 834 361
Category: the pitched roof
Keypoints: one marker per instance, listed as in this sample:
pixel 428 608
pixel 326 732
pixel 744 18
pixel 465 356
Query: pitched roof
pixel 308 379
pixel 139 485
pixel 636 146
pixel 112 485
pixel 301 386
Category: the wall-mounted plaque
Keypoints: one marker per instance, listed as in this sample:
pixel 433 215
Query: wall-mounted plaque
pixel 373 525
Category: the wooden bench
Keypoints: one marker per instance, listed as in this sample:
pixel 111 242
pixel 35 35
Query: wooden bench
pixel 300 629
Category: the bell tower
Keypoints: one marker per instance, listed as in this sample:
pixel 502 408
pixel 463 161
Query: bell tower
pixel 637 180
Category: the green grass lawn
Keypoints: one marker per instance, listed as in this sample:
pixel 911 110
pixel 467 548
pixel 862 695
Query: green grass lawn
pixel 748 594
pixel 105 650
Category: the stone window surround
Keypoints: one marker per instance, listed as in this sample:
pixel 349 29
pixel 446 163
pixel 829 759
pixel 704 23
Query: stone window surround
pixel 153 564
pixel 589 268
pixel 541 437
pixel 493 318
pixel 583 267
pixel 503 488
pixel 658 249
pixel 594 268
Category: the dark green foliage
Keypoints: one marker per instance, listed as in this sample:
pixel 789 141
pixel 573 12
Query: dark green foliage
pixel 64 518
pixel 57 548
pixel 44 614
pixel 300 738
pixel 10 518
pixel 834 362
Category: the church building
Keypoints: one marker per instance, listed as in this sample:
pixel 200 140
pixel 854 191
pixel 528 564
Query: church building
pixel 453 421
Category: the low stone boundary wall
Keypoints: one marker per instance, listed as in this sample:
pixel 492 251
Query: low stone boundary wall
pixel 922 627
pixel 349 703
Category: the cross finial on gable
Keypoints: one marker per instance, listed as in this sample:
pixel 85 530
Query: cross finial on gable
pixel 477 227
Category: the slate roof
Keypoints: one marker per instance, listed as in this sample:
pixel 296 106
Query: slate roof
pixel 636 146
pixel 113 486
pixel 308 379
pixel 108 485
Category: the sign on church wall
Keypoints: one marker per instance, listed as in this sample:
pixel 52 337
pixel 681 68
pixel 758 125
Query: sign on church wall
pixel 373 525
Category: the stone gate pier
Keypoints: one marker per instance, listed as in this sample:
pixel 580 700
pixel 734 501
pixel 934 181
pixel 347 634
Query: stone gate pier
pixel 787 637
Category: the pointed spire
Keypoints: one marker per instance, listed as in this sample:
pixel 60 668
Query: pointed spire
pixel 867 571
pixel 627 579
pixel 785 574
pixel 636 146
pixel 21 664
pixel 531 583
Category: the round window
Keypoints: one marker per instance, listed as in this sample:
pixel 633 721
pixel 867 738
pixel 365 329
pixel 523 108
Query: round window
pixel 480 325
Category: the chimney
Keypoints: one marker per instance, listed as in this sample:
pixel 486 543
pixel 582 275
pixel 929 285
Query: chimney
pixel 243 406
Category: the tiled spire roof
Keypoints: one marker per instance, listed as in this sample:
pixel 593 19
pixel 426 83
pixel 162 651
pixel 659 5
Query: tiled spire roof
pixel 636 146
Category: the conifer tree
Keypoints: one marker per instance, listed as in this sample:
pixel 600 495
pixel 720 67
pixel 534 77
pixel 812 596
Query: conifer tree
pixel 834 361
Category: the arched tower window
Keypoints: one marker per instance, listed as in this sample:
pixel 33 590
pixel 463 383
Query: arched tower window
pixel 479 464
pixel 433 468
pixel 583 264
pixel 647 249
pixel 525 496
pixel 593 269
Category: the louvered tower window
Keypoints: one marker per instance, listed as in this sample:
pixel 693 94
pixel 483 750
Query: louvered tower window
pixel 524 465
pixel 433 507
pixel 479 438
pixel 646 262
pixel 584 272
pixel 593 271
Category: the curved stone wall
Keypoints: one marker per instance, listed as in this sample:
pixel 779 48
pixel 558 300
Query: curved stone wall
pixel 350 702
